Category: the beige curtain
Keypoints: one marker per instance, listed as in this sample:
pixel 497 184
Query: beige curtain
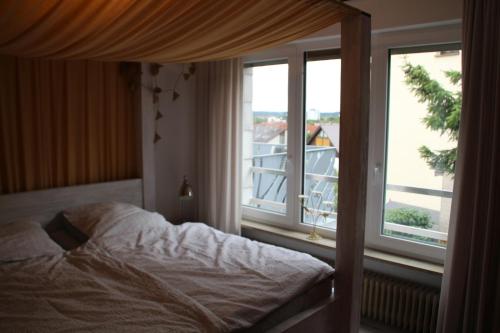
pixel 159 30
pixel 470 296
pixel 64 123
pixel 219 94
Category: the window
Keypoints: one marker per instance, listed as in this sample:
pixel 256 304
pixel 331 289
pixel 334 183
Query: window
pixel 423 117
pixel 278 144
pixel 412 143
pixel 265 132
pixel 321 139
pixel 291 133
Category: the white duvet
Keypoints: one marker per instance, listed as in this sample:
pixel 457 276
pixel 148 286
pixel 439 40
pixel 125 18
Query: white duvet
pixel 165 278
pixel 90 291
pixel 238 280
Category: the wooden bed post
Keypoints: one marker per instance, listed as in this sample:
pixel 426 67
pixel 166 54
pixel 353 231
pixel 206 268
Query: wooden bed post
pixel 147 131
pixel 354 105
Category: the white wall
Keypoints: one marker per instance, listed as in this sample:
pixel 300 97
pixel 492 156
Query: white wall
pixel 147 134
pixel 175 152
pixel 393 13
pixel 388 14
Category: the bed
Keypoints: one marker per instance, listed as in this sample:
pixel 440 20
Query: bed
pixel 214 30
pixel 126 269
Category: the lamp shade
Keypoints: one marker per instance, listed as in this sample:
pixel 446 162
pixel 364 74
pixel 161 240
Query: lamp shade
pixel 186 191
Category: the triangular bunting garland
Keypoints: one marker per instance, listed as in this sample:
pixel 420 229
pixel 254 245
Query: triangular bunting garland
pixel 175 95
pixel 157 138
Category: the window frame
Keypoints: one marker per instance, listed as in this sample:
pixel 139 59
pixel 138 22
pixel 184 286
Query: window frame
pixel 249 212
pixel 440 33
pixel 295 56
pixel 312 55
pixel 381 45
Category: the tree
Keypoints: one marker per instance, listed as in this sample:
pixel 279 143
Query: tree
pixel 443 113
pixel 409 216
pixel 259 120
pixel 330 120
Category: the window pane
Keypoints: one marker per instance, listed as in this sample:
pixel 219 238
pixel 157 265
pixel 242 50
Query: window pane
pixel 265 131
pixel 424 110
pixel 321 151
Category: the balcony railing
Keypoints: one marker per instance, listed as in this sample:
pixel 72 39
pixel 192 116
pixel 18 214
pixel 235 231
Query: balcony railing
pixel 313 176
pixel 280 206
pixel 440 236
pixel 317 177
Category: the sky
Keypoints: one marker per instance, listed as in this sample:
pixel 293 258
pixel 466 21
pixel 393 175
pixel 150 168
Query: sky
pixel 270 87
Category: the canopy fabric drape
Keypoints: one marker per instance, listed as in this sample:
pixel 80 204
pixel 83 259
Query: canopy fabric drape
pixel 65 123
pixel 470 296
pixel 158 31
pixel 219 99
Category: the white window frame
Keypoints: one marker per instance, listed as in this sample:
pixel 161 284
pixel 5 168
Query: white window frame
pixel 382 42
pixel 259 215
pixel 448 32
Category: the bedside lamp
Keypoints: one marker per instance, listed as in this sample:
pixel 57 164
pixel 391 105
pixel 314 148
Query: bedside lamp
pixel 185 194
pixel 186 191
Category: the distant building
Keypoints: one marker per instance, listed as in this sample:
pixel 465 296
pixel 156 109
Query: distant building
pixel 274 132
pixel 327 135
pixel 313 114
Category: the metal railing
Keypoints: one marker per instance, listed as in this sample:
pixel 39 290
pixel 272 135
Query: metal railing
pixel 419 190
pixel 440 236
pixel 279 172
pixel 406 229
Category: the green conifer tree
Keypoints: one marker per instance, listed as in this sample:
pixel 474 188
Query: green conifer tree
pixel 443 113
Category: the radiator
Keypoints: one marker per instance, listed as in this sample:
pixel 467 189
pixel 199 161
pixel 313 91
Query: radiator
pixel 398 304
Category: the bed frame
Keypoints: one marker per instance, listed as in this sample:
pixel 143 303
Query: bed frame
pixel 42 206
pixel 340 313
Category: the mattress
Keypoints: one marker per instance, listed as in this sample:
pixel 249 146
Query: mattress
pixel 307 299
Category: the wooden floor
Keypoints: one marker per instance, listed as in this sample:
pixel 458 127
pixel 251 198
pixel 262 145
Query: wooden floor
pixel 365 329
pixel 374 328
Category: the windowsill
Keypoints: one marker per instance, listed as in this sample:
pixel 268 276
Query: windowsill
pixel 331 244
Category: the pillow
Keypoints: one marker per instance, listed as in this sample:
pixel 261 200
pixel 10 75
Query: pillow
pixel 64 234
pixel 124 223
pixel 24 240
pixel 65 239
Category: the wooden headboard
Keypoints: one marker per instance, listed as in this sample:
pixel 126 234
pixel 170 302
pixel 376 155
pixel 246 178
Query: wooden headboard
pixel 44 205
